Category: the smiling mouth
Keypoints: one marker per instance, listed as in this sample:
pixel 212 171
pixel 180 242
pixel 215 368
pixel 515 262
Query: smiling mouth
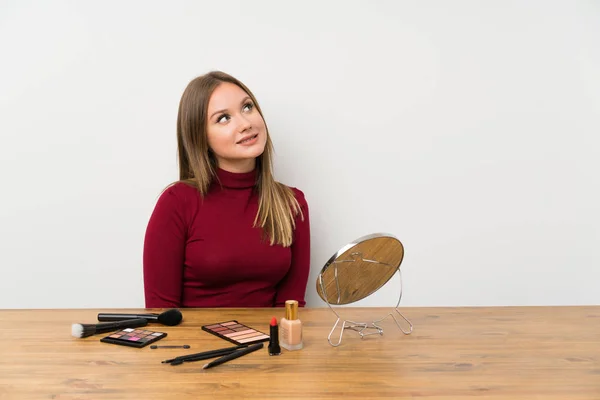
pixel 248 139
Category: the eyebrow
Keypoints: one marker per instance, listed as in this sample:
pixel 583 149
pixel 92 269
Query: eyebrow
pixel 221 111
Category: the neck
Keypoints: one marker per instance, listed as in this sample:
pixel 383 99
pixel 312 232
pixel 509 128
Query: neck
pixel 236 180
pixel 238 167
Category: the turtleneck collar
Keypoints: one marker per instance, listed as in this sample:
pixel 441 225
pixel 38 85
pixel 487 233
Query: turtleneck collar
pixel 234 180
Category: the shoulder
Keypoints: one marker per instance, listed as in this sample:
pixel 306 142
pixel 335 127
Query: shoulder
pixel 182 189
pixel 299 194
pixel 179 194
pixel 300 197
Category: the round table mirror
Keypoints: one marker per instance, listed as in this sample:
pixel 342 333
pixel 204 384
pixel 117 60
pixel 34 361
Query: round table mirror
pixel 360 268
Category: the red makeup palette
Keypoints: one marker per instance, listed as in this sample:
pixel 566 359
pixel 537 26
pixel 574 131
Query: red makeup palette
pixel 133 337
pixel 235 332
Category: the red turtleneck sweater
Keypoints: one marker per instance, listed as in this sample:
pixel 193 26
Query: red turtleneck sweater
pixel 206 252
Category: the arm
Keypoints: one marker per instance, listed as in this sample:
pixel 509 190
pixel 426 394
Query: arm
pixel 293 286
pixel 164 252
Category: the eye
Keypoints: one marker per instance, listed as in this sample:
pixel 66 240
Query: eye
pixel 223 118
pixel 248 106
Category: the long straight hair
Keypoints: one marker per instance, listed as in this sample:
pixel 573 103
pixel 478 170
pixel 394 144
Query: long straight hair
pixel 277 205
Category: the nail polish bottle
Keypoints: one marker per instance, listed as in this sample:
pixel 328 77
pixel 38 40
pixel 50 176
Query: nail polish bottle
pixel 291 327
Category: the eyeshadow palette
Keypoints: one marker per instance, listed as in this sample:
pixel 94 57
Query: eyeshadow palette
pixel 133 337
pixel 235 332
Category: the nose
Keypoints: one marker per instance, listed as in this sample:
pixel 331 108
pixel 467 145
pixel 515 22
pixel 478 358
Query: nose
pixel 244 123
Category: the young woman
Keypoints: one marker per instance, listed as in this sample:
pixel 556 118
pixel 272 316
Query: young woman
pixel 226 234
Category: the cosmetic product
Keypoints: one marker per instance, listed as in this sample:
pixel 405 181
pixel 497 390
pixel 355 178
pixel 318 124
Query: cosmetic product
pixel 134 337
pixel 183 346
pixel 170 317
pixel 234 355
pixel 203 355
pixel 291 327
pixel 274 349
pixel 85 330
pixel 236 333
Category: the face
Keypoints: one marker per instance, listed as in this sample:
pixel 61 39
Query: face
pixel 236 131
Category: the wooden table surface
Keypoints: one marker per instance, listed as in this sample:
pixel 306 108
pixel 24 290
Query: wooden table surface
pixel 453 353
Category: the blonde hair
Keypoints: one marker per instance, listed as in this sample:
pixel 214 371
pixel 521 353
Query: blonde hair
pixel 277 205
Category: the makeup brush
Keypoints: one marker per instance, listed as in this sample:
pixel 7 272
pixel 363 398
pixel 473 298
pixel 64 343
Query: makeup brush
pixel 170 317
pixel 85 330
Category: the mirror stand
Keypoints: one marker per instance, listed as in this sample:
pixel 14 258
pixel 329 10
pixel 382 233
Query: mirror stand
pixel 363 328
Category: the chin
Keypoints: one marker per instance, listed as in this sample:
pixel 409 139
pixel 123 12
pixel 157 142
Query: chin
pixel 256 152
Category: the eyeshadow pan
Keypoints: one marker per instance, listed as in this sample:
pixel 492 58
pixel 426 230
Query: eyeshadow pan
pixel 239 333
pixel 248 335
pixel 133 338
pixel 254 338
pixel 235 332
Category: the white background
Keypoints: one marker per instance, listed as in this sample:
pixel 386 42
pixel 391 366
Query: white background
pixel 468 129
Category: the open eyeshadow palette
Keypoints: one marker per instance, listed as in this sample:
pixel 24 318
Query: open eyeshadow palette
pixel 133 337
pixel 235 332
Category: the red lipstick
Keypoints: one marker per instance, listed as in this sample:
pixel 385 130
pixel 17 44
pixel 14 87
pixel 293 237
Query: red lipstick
pixel 274 349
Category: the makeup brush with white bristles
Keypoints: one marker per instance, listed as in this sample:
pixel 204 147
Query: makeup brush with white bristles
pixel 85 330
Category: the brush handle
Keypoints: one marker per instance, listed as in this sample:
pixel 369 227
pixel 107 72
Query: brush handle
pixel 122 317
pixel 233 355
pixel 206 354
pixel 114 326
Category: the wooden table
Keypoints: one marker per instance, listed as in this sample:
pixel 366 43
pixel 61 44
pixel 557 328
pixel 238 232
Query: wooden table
pixel 453 353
